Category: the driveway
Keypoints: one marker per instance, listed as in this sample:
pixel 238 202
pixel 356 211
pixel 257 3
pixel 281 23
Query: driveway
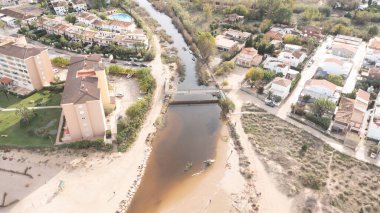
pixel 349 86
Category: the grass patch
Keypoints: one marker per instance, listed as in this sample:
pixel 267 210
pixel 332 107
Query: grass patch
pixel 45 124
pixel 41 98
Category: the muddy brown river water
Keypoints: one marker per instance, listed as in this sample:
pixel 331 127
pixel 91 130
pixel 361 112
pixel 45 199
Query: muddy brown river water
pixel 189 137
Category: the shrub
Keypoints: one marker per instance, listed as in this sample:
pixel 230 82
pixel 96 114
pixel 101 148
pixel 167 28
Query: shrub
pixel 60 62
pixel 320 121
pixel 311 181
pixel 129 127
pixel 86 144
pixel 108 110
pixel 227 105
pixel 108 134
pixel 295 82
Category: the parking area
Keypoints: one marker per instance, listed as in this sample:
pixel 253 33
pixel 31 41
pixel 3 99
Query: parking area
pixel 126 92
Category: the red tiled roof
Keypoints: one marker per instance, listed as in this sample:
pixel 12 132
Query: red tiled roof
pixel 5 80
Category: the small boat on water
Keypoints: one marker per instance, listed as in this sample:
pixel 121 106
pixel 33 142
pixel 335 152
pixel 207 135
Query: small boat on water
pixel 188 166
pixel 209 162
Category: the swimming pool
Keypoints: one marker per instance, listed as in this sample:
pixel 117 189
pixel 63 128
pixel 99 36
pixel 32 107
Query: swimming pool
pixel 121 17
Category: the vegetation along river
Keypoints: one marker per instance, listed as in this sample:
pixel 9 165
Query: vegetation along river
pixel 189 136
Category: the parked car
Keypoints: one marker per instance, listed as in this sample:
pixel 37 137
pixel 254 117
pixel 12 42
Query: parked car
pixel 134 64
pixel 113 61
pixel 119 95
pixel 56 71
pixel 129 76
pixel 270 103
pixel 127 64
pixel 143 65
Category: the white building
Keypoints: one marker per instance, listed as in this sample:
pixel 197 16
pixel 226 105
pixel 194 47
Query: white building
pixel 9 21
pixel 336 66
pixel 374 124
pixel 281 87
pixel 60 7
pixel 276 65
pixel 373 50
pixel 293 58
pixel 79 5
pixel 225 44
pixel 292 47
pixel 317 88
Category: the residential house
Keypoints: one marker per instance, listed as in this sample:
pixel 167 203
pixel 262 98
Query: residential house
pixel 88 35
pixel 343 50
pixel 312 32
pixel 321 88
pixel 292 47
pixel 11 22
pixel 74 33
pixel 348 40
pixel 276 65
pixel 345 46
pixel 294 58
pixel 281 87
pixel 79 5
pixel 292 74
pixel 111 10
pixel 373 50
pixel 272 35
pixel 13 2
pixel 374 73
pixel 374 124
pixel 220 4
pixel 61 7
pixel 10 15
pixel 225 44
pixel 233 18
pixel 236 35
pixel 83 99
pixel 248 57
pixel 350 114
pixel 24 67
pixel 335 66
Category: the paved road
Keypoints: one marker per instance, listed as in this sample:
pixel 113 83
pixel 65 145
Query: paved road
pixel 349 86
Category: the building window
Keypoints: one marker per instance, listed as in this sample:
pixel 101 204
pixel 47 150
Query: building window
pixel 83 118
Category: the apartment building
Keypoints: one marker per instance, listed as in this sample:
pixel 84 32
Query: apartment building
pixel 85 94
pixel 24 67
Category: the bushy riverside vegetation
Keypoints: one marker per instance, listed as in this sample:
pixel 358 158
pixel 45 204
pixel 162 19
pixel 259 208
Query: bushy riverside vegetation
pixel 97 144
pixel 129 127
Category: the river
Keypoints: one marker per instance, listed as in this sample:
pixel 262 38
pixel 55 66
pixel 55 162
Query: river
pixel 189 136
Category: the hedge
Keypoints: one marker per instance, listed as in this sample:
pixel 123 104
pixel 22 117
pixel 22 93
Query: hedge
pixel 85 144
pixel 320 121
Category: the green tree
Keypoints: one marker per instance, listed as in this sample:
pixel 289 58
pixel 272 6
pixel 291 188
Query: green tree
pixel 25 114
pixel 311 13
pixel 241 10
pixel 373 30
pixel 341 29
pixel 4 90
pixel 292 39
pixel 207 10
pixel 60 62
pixel 255 75
pixel 71 18
pixel 225 67
pixel 206 44
pixel 283 15
pixel 335 79
pixel 265 25
pixel 227 105
pixel 322 106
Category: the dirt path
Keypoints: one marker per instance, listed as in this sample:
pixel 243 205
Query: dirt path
pixel 264 183
pixel 101 182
